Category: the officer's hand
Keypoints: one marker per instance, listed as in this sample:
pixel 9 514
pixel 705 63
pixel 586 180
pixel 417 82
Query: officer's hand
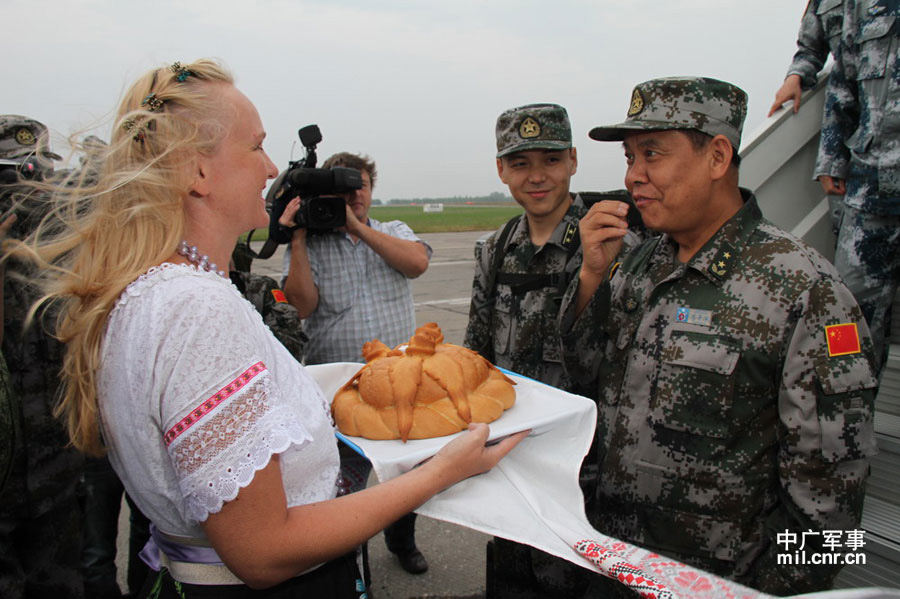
pixel 602 230
pixel 833 186
pixel 789 90
pixel 287 217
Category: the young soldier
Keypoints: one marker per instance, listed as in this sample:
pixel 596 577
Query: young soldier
pixel 521 273
pixel 523 269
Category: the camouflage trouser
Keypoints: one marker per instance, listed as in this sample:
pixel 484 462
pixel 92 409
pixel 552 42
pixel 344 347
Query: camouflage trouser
pixel 868 258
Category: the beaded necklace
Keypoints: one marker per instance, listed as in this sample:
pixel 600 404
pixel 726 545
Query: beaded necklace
pixel 192 255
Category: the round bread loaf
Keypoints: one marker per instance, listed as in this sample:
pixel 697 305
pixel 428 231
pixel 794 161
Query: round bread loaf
pixel 430 390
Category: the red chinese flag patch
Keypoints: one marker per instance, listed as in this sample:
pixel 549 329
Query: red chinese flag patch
pixel 842 339
pixel 278 294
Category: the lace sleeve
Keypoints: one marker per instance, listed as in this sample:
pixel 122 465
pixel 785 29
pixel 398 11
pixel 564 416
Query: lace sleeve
pixel 222 411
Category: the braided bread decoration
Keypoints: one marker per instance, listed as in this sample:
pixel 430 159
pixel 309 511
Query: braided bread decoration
pixel 431 390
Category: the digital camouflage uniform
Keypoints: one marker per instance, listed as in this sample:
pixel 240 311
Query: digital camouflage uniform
pixel 819 35
pixel 726 416
pixel 861 143
pixel 39 512
pixel 515 326
pixel 282 319
pixel 518 331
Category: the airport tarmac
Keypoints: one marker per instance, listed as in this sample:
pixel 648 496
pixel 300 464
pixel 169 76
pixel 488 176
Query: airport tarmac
pixel 456 555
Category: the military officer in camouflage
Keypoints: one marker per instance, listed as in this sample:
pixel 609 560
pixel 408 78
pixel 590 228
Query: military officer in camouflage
pixel 820 33
pixel 40 522
pixel 732 365
pixel 859 157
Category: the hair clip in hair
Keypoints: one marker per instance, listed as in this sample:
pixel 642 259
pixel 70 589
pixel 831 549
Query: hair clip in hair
pixel 152 102
pixel 181 73
pixel 131 125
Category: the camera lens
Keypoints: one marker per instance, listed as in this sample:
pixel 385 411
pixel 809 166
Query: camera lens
pixel 322 212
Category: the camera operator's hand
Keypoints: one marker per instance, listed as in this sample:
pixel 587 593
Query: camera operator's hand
pixel 287 217
pixel 354 226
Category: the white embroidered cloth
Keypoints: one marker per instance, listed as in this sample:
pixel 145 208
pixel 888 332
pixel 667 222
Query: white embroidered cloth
pixel 532 496
pixel 196 395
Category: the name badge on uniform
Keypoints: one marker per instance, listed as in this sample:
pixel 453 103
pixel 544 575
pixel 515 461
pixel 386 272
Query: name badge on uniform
pixel 694 316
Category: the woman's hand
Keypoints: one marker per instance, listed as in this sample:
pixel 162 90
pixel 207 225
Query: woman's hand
pixel 470 454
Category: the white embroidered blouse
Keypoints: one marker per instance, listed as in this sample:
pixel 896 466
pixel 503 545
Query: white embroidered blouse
pixel 196 395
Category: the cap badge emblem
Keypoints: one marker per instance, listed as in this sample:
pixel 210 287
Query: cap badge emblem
pixel 637 103
pixel 24 136
pixel 529 128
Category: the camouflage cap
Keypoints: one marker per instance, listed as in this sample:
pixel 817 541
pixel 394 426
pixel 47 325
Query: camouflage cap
pixel 708 105
pixel 20 135
pixel 533 127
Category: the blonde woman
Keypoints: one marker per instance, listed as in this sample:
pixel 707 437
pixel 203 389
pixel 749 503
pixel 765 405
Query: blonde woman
pixel 219 435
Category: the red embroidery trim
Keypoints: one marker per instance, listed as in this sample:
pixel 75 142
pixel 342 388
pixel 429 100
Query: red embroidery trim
pixel 208 405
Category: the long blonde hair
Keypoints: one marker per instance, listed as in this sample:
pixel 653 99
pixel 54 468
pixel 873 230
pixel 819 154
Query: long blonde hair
pixel 109 226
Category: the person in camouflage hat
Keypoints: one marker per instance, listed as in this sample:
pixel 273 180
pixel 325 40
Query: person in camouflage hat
pixel 707 105
pixel 40 520
pixel 515 329
pixel 24 148
pixel 733 367
pixel 859 159
pixel 521 272
pixel 533 127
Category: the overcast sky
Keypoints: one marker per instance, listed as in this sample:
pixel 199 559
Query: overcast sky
pixel 416 84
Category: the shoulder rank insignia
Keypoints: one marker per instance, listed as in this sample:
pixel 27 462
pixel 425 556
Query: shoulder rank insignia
pixel 842 339
pixel 529 128
pixel 637 103
pixel 571 232
pixel 721 264
pixel 278 294
pixel 24 136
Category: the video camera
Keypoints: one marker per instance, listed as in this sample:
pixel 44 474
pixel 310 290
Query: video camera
pixel 13 171
pixel 321 209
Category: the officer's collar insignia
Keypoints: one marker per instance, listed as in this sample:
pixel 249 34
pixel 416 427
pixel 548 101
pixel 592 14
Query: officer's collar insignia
pixel 24 136
pixel 529 128
pixel 571 232
pixel 637 103
pixel 721 264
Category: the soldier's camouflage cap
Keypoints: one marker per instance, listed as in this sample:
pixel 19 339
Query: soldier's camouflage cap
pixel 708 105
pixel 19 137
pixel 533 127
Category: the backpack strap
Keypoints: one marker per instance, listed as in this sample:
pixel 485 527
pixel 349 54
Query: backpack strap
pixel 487 350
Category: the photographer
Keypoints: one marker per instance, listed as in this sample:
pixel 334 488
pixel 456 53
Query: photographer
pixel 350 292
pixel 352 286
